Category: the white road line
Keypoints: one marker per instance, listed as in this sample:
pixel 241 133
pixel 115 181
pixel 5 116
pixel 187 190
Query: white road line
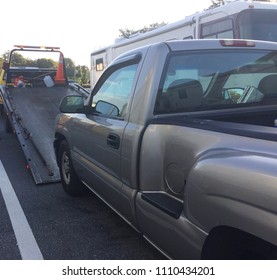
pixel 26 242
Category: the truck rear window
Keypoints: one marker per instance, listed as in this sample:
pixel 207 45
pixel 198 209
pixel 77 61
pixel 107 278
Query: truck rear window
pixel 217 79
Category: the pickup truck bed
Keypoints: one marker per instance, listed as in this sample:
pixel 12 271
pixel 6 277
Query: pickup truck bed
pixel 35 110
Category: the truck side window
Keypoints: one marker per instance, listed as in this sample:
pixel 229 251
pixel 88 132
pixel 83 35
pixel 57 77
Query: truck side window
pixel 217 79
pixel 116 90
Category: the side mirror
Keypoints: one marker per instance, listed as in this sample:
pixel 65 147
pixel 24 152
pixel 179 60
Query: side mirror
pixel 106 108
pixel 233 94
pixel 72 104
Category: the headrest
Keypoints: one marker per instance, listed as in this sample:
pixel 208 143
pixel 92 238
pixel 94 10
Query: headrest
pixel 186 93
pixel 268 85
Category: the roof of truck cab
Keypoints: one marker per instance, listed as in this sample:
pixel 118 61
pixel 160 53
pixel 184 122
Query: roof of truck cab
pixel 200 44
pixel 204 44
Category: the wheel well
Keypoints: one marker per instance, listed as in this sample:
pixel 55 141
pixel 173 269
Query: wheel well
pixel 230 243
pixel 58 139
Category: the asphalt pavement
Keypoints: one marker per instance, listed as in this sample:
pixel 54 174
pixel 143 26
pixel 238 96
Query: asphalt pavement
pixel 63 227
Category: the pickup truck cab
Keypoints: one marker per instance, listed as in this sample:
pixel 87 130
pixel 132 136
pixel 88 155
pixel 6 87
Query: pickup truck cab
pixel 179 139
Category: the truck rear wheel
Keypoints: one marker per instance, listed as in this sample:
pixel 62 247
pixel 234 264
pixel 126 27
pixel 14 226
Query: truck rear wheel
pixel 71 183
pixel 226 243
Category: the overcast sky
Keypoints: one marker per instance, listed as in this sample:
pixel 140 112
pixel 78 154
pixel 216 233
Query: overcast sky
pixel 80 27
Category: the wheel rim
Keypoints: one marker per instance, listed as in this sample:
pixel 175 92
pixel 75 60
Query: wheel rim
pixel 66 168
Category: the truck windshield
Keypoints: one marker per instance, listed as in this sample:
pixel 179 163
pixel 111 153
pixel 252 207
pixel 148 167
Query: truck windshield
pixel 208 80
pixel 258 25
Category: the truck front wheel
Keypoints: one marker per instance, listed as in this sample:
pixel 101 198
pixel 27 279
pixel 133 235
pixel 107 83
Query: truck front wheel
pixel 70 181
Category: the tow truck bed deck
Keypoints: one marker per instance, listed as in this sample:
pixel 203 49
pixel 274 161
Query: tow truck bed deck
pixel 35 110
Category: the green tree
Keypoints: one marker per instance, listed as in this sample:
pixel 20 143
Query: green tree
pixel 82 74
pixel 46 63
pixel 85 75
pixel 30 62
pixel 79 74
pixel 70 67
pixel 18 60
pixel 5 56
pixel 127 33
pixel 217 3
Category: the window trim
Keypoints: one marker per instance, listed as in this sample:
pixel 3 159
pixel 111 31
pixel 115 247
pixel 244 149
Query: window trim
pixel 118 63
pixel 121 62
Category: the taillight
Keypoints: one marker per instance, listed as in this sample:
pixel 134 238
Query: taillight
pixel 237 43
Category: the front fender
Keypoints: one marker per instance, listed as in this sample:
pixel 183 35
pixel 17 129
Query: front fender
pixel 237 189
pixel 63 124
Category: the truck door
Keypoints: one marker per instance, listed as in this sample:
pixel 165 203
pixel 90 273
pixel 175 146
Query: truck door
pixel 98 137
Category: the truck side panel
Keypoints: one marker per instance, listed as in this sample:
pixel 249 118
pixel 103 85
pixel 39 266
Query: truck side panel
pixel 201 185
pixel 229 202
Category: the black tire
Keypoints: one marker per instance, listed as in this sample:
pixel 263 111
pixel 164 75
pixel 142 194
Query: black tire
pixel 70 181
pixel 232 244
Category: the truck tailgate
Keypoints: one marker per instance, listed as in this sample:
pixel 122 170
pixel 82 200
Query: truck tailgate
pixel 35 110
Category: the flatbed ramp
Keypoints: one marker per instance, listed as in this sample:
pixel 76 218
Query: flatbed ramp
pixel 34 113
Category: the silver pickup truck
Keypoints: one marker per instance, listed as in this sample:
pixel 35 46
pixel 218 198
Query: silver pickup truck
pixel 179 139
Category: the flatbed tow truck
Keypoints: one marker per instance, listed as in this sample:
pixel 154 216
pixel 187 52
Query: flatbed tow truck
pixel 30 97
